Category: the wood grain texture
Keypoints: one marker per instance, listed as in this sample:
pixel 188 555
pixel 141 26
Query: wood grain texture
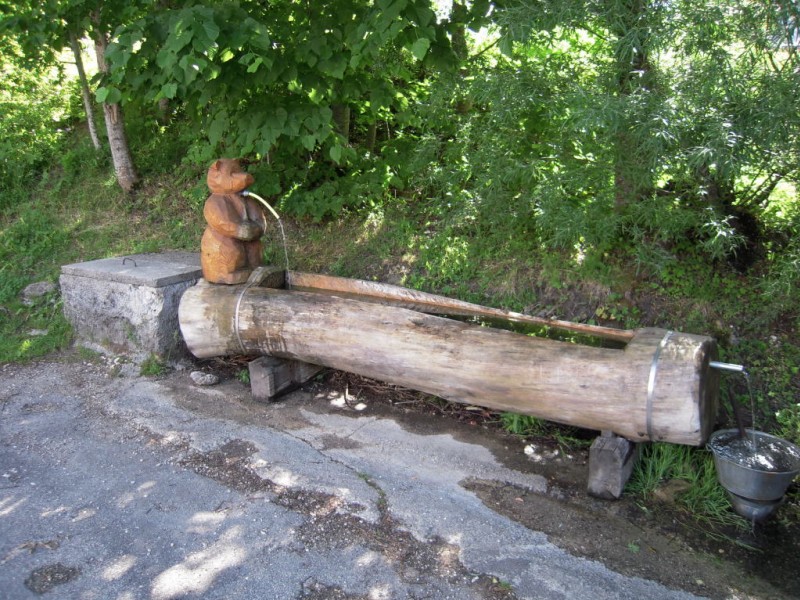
pixel 589 387
pixel 384 293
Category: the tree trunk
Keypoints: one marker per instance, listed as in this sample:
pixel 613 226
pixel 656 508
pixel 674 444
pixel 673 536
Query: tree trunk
pixel 112 113
pixel 463 101
pixel 659 387
pixel 458 42
pixel 341 120
pixel 372 136
pixel 164 110
pixel 85 93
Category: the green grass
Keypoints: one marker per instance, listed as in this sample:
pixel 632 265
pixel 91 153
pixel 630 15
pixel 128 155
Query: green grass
pixel 76 212
pixel 523 425
pixel 704 499
pixel 152 366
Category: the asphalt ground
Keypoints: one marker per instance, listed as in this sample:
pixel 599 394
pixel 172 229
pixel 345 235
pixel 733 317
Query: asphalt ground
pixel 116 486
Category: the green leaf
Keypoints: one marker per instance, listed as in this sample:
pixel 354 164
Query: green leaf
pixel 316 95
pixel 308 141
pixel 335 153
pixel 217 128
pixel 255 64
pixel 166 59
pixel 259 37
pixel 420 48
pixel 506 45
pixel 108 95
pixel 192 66
pixel 279 116
pixel 179 37
pixel 168 90
pixel 211 29
pixel 334 67
pixel 325 114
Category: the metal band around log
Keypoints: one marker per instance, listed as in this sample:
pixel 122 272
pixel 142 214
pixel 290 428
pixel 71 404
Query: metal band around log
pixel 651 383
pixel 236 315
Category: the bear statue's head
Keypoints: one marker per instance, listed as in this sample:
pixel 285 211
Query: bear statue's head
pixel 226 176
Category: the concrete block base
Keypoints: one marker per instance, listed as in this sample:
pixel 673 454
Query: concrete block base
pixel 129 305
pixel 272 377
pixel 611 462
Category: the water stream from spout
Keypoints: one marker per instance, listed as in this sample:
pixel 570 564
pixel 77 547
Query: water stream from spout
pixel 280 226
pixel 753 436
pixel 753 442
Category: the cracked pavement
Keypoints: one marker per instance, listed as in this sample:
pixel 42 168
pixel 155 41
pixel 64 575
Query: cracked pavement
pixel 130 487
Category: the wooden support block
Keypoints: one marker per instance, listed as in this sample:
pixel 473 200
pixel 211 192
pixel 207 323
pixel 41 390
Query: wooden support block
pixel 611 462
pixel 271 377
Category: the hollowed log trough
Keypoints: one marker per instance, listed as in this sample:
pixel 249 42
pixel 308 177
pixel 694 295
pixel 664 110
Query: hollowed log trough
pixel 657 385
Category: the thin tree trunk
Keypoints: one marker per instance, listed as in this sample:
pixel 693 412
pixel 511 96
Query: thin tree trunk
pixel 87 97
pixel 463 101
pixel 372 136
pixel 164 110
pixel 341 120
pixel 120 153
pixel 459 39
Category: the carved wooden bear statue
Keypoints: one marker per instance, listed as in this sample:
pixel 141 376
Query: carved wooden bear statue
pixel 231 247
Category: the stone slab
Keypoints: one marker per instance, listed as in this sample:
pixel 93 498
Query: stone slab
pixel 129 304
pixel 152 270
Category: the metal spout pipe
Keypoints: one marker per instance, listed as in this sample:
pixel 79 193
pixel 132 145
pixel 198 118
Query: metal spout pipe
pixel 722 366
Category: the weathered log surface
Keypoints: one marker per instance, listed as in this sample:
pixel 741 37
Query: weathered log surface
pixel 659 387
pixel 394 295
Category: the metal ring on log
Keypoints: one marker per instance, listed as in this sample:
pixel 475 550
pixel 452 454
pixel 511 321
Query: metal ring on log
pixel 580 385
pixel 651 382
pixel 236 327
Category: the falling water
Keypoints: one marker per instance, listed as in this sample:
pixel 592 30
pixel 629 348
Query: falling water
pixel 753 437
pixel 280 225
pixel 285 250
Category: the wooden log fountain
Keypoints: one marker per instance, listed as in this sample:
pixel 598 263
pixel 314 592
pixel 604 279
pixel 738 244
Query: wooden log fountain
pixel 658 386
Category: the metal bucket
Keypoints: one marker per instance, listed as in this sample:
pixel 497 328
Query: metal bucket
pixel 754 510
pixel 750 482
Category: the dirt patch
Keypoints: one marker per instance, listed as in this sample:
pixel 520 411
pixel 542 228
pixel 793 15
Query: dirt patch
pixel 623 545
pixel 45 578
pixel 331 525
pixel 228 465
pixel 331 442
pixel 417 562
pixel 314 590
